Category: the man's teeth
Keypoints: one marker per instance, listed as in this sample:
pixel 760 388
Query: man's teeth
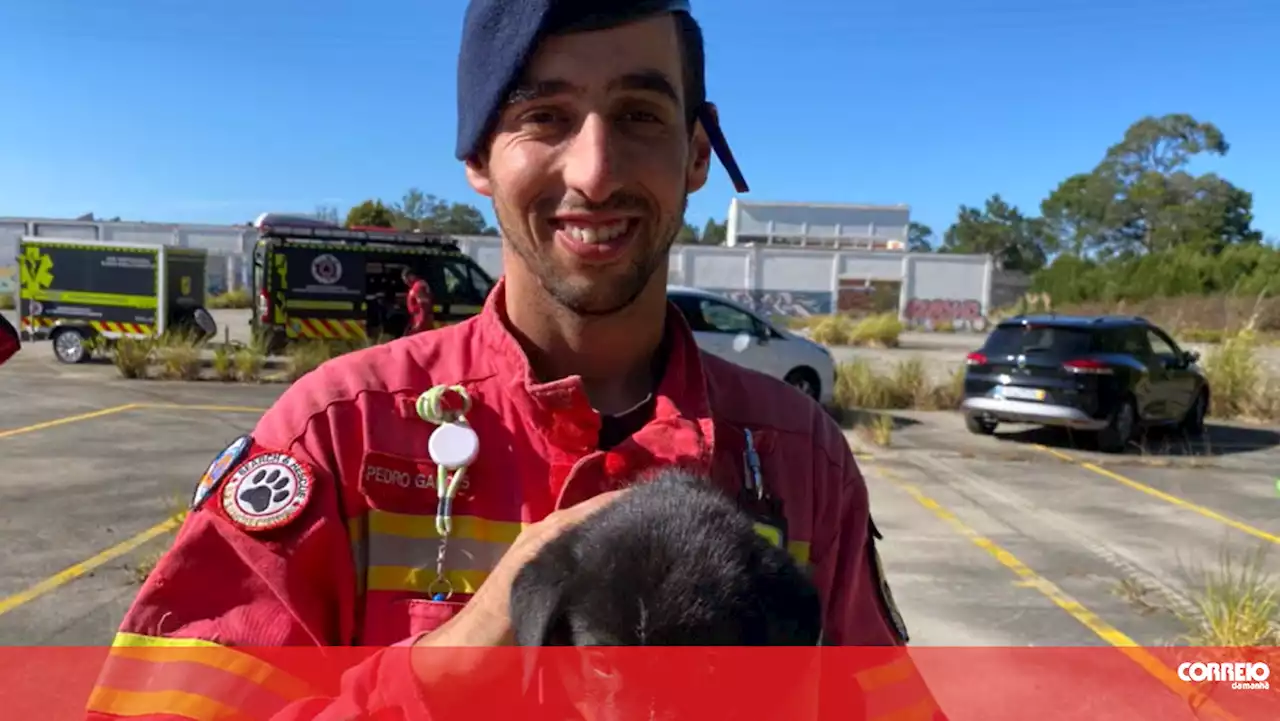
pixel 590 234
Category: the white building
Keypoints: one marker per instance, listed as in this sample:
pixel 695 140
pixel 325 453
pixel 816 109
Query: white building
pixel 818 225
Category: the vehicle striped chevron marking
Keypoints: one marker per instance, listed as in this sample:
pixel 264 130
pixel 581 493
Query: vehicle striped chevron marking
pixel 104 326
pixel 326 328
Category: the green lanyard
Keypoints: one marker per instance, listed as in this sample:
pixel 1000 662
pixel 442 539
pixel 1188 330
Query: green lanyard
pixel 453 446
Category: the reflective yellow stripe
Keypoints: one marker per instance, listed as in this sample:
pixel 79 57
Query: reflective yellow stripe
pixel 420 580
pixel 472 527
pixel 303 304
pixel 799 550
pixel 74 297
pixel 193 650
pixel 161 703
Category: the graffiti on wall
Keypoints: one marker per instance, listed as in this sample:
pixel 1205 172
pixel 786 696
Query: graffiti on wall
pixel 867 296
pixel 768 303
pixel 8 279
pixel 939 313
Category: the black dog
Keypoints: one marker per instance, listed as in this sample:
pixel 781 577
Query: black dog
pixel 673 562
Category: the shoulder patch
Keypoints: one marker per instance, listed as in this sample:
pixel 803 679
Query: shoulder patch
pixel 227 459
pixel 268 491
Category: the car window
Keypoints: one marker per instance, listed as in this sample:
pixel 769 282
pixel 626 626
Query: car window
pixel 721 318
pixel 1055 340
pixel 458 284
pixel 691 311
pixel 1160 345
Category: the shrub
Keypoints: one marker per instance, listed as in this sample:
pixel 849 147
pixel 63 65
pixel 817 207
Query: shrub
pixel 880 331
pixel 305 356
pixel 238 298
pixel 179 357
pixel 249 362
pixel 132 357
pixel 1233 373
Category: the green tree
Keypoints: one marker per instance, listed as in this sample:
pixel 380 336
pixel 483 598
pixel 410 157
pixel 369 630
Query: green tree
pixel 1140 198
pixel 999 229
pixel 919 238
pixel 421 211
pixel 714 233
pixel 371 213
pixel 688 235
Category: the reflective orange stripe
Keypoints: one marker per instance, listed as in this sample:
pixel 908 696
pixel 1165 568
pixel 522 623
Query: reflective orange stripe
pixel 161 703
pixel 192 678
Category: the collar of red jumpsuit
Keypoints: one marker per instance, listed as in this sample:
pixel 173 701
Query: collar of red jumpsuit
pixel 679 430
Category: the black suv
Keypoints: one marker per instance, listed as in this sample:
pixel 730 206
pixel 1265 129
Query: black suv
pixel 1106 374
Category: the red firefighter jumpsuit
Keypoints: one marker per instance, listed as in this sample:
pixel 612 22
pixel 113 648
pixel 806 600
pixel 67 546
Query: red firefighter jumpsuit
pixel 9 340
pixel 419 304
pixel 342 562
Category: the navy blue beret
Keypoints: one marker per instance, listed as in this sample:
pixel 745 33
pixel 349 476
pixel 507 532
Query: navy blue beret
pixel 499 37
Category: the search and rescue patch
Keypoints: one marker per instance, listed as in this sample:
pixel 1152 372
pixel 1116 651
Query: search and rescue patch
pixel 225 461
pixel 268 491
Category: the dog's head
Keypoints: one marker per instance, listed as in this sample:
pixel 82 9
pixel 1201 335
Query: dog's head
pixel 672 562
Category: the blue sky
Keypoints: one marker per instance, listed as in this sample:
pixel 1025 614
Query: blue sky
pixel 198 111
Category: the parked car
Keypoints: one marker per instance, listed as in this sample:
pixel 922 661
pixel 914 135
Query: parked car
pixel 1109 375
pixel 738 334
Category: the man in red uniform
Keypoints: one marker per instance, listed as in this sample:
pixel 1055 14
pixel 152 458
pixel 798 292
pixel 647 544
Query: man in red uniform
pixel 418 302
pixel 10 341
pixel 330 523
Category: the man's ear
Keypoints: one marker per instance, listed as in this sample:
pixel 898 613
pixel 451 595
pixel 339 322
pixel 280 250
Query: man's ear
pixel 478 175
pixel 700 154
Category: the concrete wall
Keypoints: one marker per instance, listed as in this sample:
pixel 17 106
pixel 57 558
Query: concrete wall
pixel 925 289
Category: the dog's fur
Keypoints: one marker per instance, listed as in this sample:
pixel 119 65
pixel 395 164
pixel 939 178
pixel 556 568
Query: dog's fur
pixel 673 562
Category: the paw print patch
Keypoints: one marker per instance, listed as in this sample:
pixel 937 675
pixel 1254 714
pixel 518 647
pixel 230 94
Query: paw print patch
pixel 267 492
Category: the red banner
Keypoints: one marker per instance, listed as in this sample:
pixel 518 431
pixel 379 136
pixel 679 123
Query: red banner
pixel 203 681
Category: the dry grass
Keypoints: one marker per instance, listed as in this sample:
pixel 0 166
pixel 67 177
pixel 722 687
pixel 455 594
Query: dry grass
pixel 874 331
pixel 860 386
pixel 1236 602
pixel 179 357
pixel 231 299
pixel 132 357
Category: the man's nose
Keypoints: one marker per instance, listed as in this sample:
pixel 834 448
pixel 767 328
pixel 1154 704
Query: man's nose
pixel 591 163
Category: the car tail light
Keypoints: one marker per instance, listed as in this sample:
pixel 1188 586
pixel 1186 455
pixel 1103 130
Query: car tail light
pixel 1091 367
pixel 975 359
pixel 264 302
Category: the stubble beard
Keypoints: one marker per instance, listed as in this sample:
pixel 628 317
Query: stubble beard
pixel 589 297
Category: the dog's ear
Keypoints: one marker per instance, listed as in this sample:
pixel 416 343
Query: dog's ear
pixel 537 596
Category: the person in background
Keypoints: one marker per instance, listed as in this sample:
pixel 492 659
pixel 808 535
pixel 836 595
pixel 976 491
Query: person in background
pixel 10 341
pixel 418 302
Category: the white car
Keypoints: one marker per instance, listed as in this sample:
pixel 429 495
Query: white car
pixel 737 334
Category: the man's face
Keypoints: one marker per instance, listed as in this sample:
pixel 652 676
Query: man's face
pixel 590 164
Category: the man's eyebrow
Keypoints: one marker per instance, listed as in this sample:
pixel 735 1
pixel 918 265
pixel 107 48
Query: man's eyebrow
pixel 650 81
pixel 529 90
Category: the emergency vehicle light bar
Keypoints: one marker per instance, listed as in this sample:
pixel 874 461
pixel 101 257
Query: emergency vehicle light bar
pixel 347 235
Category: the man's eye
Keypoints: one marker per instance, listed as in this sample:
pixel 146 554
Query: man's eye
pixel 540 117
pixel 640 116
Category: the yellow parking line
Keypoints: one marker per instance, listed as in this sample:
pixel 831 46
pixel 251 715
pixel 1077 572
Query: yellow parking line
pixel 68 419
pixel 80 569
pixel 1167 497
pixel 1031 579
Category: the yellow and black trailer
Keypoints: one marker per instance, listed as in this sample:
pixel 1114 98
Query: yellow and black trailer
pixel 323 282
pixel 74 291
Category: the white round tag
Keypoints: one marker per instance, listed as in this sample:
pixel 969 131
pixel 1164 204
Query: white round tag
pixel 453 445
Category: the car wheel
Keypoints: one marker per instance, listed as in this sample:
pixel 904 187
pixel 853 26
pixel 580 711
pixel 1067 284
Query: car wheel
pixel 1193 422
pixel 805 381
pixel 1116 436
pixel 979 426
pixel 69 346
